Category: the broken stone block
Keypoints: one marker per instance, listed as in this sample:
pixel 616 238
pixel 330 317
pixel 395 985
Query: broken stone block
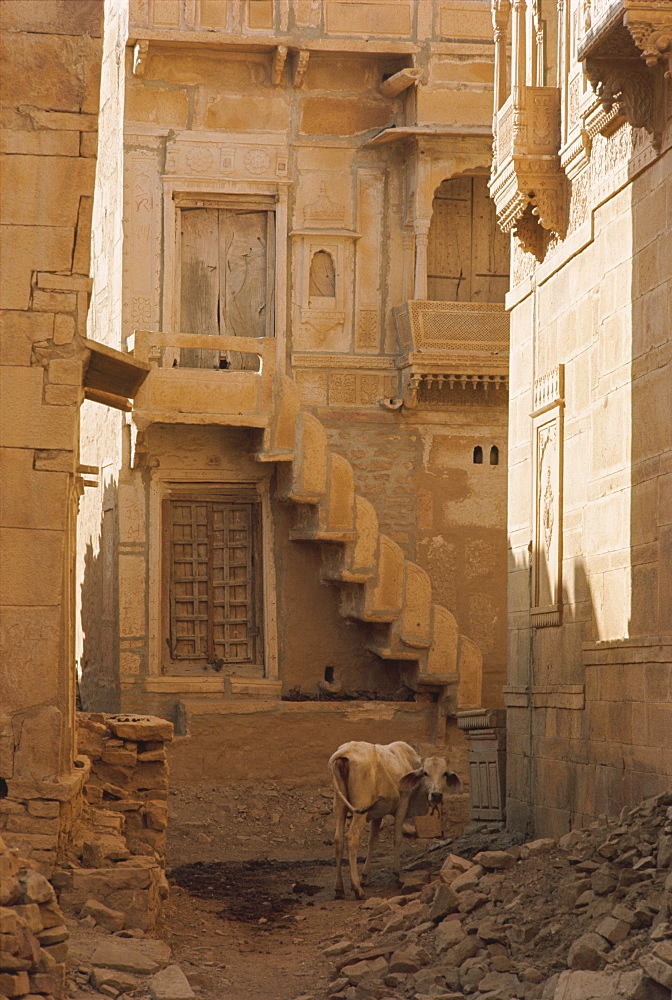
pixel 467 948
pixel 445 901
pixel 468 879
pixel 587 952
pixel 357 971
pixel 613 930
pixel 408 959
pixel 658 965
pixel 111 920
pixel 143 957
pixel 495 860
pixel 13 984
pixel 499 981
pixel 121 981
pixel 536 847
pixel 53 935
pixel 140 727
pixel 449 933
pixel 35 888
pixel 170 984
pixel 489 931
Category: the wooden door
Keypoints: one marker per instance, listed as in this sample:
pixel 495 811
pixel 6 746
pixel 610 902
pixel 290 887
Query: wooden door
pixel 468 255
pixel 227 279
pixel 215 585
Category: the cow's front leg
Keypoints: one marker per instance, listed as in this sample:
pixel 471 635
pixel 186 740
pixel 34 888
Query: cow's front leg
pixel 373 843
pixel 399 820
pixel 339 813
pixel 354 834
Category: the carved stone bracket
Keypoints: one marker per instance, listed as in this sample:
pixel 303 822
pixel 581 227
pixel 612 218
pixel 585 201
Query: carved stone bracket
pixel 140 52
pixel 279 57
pixel 300 66
pixel 625 59
pixel 652 33
pixel 624 87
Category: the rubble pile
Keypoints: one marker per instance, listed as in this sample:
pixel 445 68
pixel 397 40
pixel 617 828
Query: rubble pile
pixel 117 879
pixel 586 918
pixel 128 782
pixel 33 933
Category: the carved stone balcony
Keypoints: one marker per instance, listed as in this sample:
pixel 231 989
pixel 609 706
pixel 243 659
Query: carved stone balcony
pixel 626 49
pixel 447 345
pixel 527 183
pixel 173 394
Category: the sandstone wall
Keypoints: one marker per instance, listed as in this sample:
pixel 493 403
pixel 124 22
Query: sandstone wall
pixel 279 115
pixel 50 72
pixel 589 693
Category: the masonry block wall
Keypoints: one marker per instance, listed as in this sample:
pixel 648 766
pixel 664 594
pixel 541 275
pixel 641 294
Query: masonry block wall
pixel 50 74
pixel 590 441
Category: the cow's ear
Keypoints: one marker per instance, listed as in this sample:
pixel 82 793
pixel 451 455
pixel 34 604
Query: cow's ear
pixel 411 780
pixel 452 780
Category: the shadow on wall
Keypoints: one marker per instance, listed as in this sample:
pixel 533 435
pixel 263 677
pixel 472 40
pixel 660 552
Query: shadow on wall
pixel 99 602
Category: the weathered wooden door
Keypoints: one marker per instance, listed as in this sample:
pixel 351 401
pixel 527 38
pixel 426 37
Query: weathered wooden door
pixel 468 255
pixel 227 279
pixel 215 585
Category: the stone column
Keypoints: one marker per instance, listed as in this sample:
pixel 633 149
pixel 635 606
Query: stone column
pixel 421 228
pixel 518 53
pixel 500 23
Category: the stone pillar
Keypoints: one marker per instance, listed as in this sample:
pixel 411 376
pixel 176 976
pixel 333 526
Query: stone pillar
pixel 421 242
pixel 500 22
pixel 486 735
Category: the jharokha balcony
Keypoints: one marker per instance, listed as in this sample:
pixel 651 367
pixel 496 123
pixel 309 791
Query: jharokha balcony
pixel 451 345
pixel 204 379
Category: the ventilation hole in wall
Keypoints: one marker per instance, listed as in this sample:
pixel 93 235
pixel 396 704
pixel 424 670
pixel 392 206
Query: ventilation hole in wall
pixel 494 455
pixel 4 789
pixel 478 455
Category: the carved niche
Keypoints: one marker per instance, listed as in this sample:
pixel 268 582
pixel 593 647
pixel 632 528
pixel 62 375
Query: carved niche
pixel 547 417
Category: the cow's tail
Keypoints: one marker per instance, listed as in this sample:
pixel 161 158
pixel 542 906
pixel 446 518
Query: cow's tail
pixel 337 765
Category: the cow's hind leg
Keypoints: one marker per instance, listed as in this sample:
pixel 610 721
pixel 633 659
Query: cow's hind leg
pixel 373 843
pixel 354 834
pixel 339 813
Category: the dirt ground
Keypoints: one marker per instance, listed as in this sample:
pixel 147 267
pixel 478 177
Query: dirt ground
pixel 252 878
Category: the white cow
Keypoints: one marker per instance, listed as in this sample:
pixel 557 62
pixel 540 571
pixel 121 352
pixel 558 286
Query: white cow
pixel 372 781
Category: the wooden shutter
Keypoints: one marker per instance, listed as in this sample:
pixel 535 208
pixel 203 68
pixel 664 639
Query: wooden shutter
pixel 213 581
pixel 227 278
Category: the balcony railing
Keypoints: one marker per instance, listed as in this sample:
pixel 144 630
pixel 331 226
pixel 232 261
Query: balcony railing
pixel 175 394
pixel 447 344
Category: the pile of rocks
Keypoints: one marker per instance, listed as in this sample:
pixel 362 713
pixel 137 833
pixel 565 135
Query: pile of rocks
pixel 33 933
pixel 117 880
pixel 129 776
pixel 586 918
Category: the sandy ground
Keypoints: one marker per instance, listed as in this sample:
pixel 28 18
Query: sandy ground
pixel 252 875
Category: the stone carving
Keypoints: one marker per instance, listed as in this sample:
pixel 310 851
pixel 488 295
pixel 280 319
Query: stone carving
pixel 549 516
pixel 367 329
pixel 323 211
pixel 256 161
pixel 279 57
pixel 342 388
pixel 200 160
pixel 140 52
pixel 300 66
pixel 547 540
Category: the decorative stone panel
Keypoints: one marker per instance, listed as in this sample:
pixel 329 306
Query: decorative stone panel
pixel 547 418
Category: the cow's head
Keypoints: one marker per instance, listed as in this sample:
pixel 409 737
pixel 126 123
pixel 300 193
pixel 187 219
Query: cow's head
pixel 427 784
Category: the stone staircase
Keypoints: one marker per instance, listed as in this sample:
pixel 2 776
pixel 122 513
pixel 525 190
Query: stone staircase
pixel 377 584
